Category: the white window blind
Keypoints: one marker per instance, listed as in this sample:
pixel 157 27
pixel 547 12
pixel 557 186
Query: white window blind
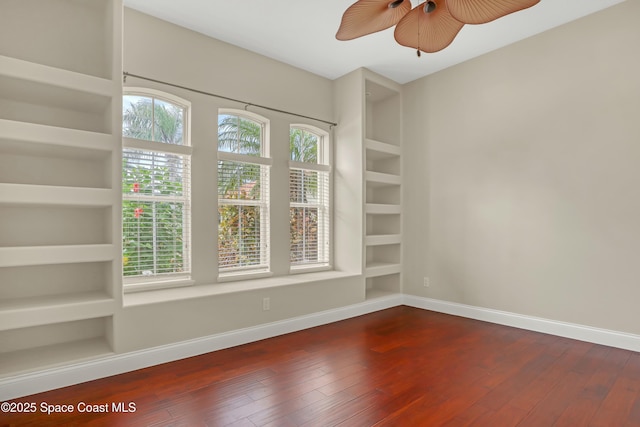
pixel 309 198
pixel 243 216
pixel 155 213
pixel 309 216
pixel 243 196
pixel 156 183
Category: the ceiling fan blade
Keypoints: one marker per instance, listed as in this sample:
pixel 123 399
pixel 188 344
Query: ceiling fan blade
pixel 370 16
pixel 483 11
pixel 428 31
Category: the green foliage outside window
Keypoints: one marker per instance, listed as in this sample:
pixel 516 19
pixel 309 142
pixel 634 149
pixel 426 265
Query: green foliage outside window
pixel 152 235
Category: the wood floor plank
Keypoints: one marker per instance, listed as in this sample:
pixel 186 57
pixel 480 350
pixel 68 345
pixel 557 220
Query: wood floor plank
pixel 616 409
pixel 397 367
pixel 604 373
pixel 551 407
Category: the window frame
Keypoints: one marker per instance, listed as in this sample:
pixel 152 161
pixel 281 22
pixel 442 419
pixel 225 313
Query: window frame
pixel 164 280
pixel 264 160
pixel 323 165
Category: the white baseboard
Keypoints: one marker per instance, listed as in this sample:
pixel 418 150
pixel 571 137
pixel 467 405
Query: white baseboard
pixel 49 379
pixel 568 330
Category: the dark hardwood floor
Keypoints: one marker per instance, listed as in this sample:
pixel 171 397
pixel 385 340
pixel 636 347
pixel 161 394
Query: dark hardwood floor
pixel 397 367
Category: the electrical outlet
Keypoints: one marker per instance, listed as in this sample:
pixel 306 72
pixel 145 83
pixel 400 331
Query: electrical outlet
pixel 427 282
pixel 266 304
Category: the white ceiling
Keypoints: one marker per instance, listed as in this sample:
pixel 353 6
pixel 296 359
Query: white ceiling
pixel 302 33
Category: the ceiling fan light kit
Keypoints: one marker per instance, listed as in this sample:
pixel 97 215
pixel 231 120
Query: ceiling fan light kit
pixel 429 27
pixel 370 16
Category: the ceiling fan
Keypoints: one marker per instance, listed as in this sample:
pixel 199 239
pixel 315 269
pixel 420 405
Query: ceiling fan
pixel 429 27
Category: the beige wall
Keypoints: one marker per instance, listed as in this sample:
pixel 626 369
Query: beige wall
pixel 163 51
pixel 533 204
pixel 155 48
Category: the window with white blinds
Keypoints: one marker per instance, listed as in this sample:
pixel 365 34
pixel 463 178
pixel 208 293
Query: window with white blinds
pixel 309 198
pixel 243 194
pixel 156 175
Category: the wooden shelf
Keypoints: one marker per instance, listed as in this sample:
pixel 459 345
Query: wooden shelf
pixel 383 239
pixel 376 269
pixel 382 209
pixel 378 179
pixel 377 150
pixel 26 194
pixel 38 73
pixel 16 131
pixel 50 356
pixel 41 255
pixel 34 311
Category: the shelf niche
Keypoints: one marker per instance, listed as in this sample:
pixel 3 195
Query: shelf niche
pixel 383 162
pixel 30 101
pixel 382 285
pixel 383 115
pixel 37 347
pixel 24 163
pixel 383 194
pixel 53 225
pixel 378 224
pixel 54 280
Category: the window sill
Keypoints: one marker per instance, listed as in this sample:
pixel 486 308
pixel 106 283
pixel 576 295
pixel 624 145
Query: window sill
pixel 302 269
pixel 174 294
pixel 153 285
pixel 243 275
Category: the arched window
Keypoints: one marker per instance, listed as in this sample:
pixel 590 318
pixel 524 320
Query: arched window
pixel 156 178
pixel 309 197
pixel 243 192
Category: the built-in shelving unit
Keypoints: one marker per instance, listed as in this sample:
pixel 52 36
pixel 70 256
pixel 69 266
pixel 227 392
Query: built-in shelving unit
pixel 383 181
pixel 60 150
pixel 369 174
